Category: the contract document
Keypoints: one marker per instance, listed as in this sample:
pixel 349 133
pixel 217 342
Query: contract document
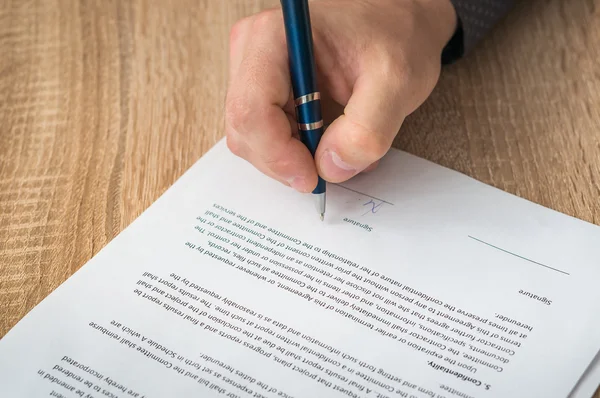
pixel 420 282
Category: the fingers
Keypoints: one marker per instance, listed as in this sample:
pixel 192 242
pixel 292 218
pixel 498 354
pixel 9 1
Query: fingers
pixel 238 37
pixel 257 125
pixel 356 140
pixel 371 167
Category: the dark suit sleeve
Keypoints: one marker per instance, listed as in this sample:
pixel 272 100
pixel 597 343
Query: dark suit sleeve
pixel 475 19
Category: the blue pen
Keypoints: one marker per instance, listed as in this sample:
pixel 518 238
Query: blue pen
pixel 307 98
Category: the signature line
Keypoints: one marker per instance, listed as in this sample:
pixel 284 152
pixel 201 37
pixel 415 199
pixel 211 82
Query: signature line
pixel 516 255
pixel 364 194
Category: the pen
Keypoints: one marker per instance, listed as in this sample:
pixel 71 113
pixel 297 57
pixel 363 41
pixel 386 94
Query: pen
pixel 307 98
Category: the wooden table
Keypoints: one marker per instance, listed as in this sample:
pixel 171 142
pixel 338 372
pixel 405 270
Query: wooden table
pixel 103 104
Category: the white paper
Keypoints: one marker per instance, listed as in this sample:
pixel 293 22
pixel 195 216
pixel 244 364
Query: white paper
pixel 417 284
pixel 589 383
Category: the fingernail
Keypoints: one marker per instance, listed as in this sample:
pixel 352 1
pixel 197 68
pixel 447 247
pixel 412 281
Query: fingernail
pixel 334 167
pixel 298 183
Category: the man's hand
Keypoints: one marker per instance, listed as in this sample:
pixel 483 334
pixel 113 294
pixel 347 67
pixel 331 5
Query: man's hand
pixel 380 59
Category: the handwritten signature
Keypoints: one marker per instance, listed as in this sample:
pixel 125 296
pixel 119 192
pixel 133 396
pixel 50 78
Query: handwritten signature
pixel 373 206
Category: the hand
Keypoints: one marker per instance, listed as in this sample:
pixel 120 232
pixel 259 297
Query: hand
pixel 380 59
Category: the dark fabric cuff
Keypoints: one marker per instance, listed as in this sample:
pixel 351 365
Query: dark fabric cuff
pixel 455 49
pixel 475 19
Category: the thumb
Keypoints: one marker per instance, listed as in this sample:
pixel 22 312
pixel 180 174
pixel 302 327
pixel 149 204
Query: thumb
pixel 364 133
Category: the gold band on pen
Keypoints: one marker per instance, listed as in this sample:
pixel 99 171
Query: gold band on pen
pixel 310 126
pixel 307 98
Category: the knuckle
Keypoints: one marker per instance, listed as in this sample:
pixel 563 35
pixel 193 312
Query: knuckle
pixel 371 145
pixel 395 70
pixel 376 145
pixel 238 114
pixel 275 158
pixel 274 164
pixel 233 144
pixel 237 29
pixel 236 33
pixel 390 71
pixel 264 20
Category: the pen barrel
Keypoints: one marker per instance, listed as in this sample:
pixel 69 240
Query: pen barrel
pixel 320 188
pixel 311 139
pixel 310 124
pixel 298 31
pixel 296 18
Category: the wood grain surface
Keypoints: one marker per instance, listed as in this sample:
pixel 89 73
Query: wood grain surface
pixel 103 104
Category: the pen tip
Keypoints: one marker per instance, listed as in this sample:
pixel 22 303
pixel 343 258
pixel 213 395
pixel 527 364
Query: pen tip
pixel 322 216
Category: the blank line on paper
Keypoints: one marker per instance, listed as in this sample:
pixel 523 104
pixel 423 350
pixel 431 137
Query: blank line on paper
pixel 516 255
pixel 364 194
